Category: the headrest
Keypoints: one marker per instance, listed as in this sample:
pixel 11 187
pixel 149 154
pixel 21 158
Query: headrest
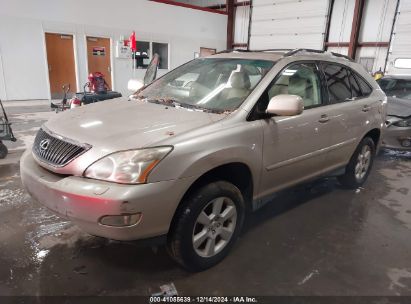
pixel 297 86
pixel 240 80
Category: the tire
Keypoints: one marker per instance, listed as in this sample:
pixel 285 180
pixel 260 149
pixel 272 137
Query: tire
pixel 206 228
pixel 3 150
pixel 353 179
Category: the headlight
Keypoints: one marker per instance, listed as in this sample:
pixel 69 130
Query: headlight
pixel 127 167
pixel 403 123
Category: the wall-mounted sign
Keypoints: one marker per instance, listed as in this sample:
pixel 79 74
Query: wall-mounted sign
pixel 99 51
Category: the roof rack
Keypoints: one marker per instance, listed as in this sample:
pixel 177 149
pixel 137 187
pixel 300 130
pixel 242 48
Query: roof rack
pixel 295 51
pixel 265 50
pixel 289 52
pixel 343 56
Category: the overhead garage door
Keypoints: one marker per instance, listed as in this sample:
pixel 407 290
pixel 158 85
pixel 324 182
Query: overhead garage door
pixel 288 24
pixel 399 59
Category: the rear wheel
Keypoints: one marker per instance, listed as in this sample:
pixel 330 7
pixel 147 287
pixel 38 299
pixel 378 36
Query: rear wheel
pixel 207 226
pixel 3 150
pixel 360 164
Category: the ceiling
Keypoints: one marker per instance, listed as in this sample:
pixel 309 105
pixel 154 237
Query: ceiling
pixel 204 3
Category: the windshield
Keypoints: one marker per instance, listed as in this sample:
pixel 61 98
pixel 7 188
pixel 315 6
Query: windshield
pixel 393 87
pixel 216 84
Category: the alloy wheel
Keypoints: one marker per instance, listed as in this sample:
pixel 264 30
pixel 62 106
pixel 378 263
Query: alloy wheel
pixel 214 227
pixel 363 162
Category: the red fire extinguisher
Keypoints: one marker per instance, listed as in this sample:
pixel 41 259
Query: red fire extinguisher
pixel 133 43
pixel 133 47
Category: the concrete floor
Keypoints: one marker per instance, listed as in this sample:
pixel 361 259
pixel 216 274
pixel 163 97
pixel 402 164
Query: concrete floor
pixel 315 239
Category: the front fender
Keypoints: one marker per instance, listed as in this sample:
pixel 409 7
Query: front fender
pixel 194 156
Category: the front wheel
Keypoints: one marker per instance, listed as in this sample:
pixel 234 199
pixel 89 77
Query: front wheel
pixel 207 225
pixel 3 150
pixel 360 164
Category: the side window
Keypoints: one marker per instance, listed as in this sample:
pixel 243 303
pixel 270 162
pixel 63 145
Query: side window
pixel 299 79
pixel 338 83
pixel 365 87
pixel 355 87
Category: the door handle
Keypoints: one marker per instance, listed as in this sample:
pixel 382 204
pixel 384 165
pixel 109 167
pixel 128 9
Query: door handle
pixel 366 108
pixel 324 118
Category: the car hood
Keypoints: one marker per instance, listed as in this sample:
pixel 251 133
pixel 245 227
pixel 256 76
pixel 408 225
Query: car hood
pixel 121 124
pixel 399 107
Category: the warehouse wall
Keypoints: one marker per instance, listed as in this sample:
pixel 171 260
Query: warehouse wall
pixel 23 23
pixel 302 24
pixel 401 42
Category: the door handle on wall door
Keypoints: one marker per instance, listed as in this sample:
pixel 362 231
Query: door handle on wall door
pixel 324 118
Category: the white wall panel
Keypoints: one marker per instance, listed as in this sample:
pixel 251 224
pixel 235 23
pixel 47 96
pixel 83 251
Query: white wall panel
pixel 377 20
pixel 288 23
pixel 242 19
pixel 401 41
pixel 23 61
pixel 3 92
pixel 341 21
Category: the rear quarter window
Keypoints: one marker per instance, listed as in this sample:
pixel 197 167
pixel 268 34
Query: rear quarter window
pixel 366 88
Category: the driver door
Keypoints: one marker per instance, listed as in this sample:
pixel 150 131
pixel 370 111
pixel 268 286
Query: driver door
pixel 295 146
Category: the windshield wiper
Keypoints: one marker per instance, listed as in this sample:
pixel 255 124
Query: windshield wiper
pixel 200 108
pixel 176 103
pixel 173 102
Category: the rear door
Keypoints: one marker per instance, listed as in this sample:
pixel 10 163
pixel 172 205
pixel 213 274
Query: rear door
pixel 349 106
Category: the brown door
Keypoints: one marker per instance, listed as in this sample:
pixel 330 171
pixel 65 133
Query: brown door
pixel 98 55
pixel 60 59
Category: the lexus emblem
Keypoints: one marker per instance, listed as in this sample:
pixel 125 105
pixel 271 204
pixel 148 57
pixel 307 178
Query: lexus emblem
pixel 44 144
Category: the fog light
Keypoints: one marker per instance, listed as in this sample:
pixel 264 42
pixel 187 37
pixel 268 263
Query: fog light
pixel 406 143
pixel 121 220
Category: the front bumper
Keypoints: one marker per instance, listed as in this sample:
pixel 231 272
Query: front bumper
pixel 394 137
pixel 85 201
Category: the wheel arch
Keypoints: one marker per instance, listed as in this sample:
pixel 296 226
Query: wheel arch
pixel 237 173
pixel 375 135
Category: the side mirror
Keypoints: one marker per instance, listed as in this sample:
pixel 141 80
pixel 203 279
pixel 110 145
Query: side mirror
pixel 152 68
pixel 285 105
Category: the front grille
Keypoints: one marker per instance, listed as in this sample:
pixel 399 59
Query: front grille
pixel 55 151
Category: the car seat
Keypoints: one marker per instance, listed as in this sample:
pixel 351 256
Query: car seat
pixel 239 86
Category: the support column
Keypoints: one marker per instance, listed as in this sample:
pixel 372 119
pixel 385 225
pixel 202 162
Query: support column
pixel 230 24
pixel 355 29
